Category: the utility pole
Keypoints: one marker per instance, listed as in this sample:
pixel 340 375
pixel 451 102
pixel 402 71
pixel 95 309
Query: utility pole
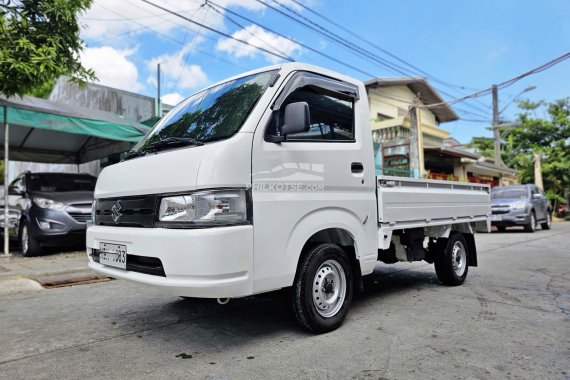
pixel 158 102
pixel 414 143
pixel 496 122
pixel 6 192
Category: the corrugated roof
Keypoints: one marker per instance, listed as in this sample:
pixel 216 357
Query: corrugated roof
pixel 428 94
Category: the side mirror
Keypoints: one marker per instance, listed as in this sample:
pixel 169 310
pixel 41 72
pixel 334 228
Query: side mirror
pixel 14 191
pixel 536 196
pixel 296 119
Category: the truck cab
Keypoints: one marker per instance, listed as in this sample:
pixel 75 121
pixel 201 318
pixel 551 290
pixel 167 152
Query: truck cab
pixel 262 182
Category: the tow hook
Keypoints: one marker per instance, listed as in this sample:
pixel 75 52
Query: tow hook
pixel 223 301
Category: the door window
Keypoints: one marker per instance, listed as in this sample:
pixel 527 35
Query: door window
pixel 332 116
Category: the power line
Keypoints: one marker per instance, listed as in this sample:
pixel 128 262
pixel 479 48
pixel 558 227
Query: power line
pixel 243 27
pixel 291 39
pixel 169 37
pixel 314 26
pixel 340 26
pixel 508 82
pixel 217 31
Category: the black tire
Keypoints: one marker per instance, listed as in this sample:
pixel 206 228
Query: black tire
pixel 501 228
pixel 546 225
pixel 531 226
pixel 451 268
pixel 330 261
pixel 32 247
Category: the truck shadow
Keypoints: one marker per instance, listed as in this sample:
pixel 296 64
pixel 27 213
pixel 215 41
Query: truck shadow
pixel 206 325
pixel 195 327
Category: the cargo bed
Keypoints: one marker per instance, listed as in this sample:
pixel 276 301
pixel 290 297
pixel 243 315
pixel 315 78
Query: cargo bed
pixel 410 202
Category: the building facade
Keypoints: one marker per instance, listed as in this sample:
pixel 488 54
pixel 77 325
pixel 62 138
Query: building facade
pixel 391 100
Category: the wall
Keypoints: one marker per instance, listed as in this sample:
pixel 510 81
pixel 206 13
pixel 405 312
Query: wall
pixel 126 104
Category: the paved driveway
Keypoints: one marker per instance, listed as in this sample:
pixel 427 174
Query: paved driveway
pixel 511 319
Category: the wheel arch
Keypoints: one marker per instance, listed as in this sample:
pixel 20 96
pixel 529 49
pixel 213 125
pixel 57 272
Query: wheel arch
pixel 337 226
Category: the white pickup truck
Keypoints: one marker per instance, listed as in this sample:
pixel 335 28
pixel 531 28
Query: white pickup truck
pixel 267 181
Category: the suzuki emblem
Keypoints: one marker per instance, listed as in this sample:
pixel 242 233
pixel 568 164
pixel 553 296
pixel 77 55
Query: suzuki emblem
pixel 116 212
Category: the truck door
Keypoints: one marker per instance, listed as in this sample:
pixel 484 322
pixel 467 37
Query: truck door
pixel 326 172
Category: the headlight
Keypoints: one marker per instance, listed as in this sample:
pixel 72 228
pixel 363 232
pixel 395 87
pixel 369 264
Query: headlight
pixel 205 207
pixel 518 205
pixel 93 211
pixel 48 203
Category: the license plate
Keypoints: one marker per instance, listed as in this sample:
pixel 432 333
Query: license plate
pixel 496 218
pixel 114 255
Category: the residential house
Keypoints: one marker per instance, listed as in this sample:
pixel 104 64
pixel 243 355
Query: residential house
pixel 440 158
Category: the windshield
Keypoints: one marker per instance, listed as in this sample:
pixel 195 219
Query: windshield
pixel 213 114
pixel 509 193
pixel 57 183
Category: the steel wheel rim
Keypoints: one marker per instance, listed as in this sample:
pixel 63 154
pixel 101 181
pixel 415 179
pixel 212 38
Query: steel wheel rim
pixel 459 258
pixel 24 239
pixel 548 220
pixel 329 288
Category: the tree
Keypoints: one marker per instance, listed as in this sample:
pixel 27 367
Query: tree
pixel 548 136
pixel 39 41
pixel 483 146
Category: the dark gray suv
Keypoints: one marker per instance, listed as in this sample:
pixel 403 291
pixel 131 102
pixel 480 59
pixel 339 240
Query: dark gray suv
pixel 49 209
pixel 520 205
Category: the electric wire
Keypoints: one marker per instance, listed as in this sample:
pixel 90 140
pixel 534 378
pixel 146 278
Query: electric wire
pixel 371 57
pixel 217 31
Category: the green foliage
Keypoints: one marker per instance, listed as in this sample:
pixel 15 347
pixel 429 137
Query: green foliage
pixel 549 137
pixel 39 41
pixel 483 145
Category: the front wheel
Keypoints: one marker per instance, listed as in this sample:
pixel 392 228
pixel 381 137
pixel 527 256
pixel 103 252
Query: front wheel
pixel 531 226
pixel 29 245
pixel 451 263
pixel 548 223
pixel 323 287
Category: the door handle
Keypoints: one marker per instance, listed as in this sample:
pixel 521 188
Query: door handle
pixel 357 167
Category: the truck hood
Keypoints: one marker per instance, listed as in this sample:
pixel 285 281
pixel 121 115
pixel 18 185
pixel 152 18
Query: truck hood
pixel 225 163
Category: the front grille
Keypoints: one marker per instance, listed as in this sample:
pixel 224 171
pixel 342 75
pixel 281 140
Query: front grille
pixel 126 212
pixel 140 264
pixel 80 218
pixel 500 211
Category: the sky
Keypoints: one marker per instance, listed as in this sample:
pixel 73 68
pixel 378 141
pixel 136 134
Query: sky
pixel 460 46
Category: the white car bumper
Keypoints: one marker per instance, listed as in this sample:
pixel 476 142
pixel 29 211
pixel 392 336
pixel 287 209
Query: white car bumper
pixel 210 263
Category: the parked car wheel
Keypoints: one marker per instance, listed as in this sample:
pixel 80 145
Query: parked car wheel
pixel 323 287
pixel 548 223
pixel 451 262
pixel 531 226
pixel 28 244
pixel 501 229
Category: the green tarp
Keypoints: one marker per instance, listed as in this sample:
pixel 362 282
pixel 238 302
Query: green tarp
pixel 46 131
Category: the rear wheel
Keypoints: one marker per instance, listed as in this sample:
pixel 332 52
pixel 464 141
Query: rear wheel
pixel 531 226
pixel 451 263
pixel 29 245
pixel 546 225
pixel 501 229
pixel 323 287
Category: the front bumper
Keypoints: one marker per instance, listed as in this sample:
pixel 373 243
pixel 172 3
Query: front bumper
pixel 511 218
pixel 208 263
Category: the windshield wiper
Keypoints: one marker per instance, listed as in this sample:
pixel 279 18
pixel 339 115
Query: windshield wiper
pixel 133 154
pixel 172 142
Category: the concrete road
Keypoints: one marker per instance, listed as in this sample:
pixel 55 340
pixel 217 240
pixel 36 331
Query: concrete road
pixel 510 320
